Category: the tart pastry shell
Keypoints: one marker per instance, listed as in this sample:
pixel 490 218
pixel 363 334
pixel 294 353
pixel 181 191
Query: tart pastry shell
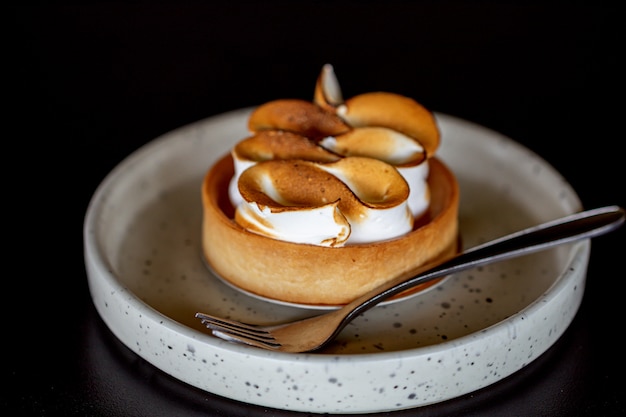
pixel 318 275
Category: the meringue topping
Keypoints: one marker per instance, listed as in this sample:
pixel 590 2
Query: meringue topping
pixel 332 172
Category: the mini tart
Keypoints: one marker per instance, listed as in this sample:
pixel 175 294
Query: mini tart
pixel 318 275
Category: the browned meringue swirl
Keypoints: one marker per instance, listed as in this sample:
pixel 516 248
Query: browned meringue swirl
pixel 361 156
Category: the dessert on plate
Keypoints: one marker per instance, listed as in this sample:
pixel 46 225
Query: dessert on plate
pixel 327 199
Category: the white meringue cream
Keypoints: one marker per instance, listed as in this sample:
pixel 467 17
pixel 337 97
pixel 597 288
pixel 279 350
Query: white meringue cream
pixel 240 165
pixel 419 195
pixel 324 226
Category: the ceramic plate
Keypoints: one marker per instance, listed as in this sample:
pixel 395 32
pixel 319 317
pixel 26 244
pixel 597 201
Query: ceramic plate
pixel 147 280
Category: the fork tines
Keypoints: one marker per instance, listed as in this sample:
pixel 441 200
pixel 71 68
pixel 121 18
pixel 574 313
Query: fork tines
pixel 232 330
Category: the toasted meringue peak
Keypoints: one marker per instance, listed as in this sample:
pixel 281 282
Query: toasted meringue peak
pixel 375 183
pixel 273 144
pixel 396 112
pixel 377 142
pixel 295 115
pixel 327 90
pixel 278 144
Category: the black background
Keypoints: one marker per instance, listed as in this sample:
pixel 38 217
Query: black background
pixel 86 84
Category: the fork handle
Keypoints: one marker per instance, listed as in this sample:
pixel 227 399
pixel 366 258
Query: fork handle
pixel 578 226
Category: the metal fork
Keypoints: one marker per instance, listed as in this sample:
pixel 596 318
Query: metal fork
pixel 315 332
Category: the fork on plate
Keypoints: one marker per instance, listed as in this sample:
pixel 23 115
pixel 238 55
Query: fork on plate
pixel 315 332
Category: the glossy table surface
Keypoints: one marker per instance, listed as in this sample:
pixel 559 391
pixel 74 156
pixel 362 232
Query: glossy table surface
pixel 89 84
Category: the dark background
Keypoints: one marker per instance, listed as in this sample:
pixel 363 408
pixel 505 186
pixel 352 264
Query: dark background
pixel 89 83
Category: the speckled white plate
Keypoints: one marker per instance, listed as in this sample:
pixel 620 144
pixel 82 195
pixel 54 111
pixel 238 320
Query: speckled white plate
pixel 147 280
